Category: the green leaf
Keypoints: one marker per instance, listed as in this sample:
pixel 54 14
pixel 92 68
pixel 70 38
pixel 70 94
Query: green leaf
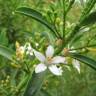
pixel 37 16
pixel 34 84
pixel 90 62
pixel 23 82
pixel 6 52
pixel 89 5
pixel 45 93
pixel 70 5
pixel 90 19
pixel 3 37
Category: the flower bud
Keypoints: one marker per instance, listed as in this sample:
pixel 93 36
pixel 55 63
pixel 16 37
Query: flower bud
pixel 59 42
pixel 58 20
pixel 65 51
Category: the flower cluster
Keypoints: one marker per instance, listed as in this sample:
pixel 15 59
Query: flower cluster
pixel 51 62
pixel 21 50
pixel 48 60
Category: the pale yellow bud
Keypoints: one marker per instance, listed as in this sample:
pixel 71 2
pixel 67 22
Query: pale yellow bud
pixel 58 20
pixel 8 76
pixel 65 51
pixel 61 23
pixel 7 81
pixel 17 44
pixel 59 42
pixel 15 65
pixel 2 81
pixel 68 25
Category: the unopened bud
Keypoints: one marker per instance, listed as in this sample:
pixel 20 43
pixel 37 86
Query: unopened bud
pixel 59 42
pixel 61 23
pixel 65 51
pixel 58 20
pixel 7 81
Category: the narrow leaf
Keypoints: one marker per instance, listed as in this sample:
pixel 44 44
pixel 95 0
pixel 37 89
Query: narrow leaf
pixel 90 62
pixel 45 93
pixel 34 84
pixel 35 15
pixel 6 52
pixel 90 19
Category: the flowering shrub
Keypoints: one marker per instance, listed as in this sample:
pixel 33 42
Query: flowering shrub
pixel 65 43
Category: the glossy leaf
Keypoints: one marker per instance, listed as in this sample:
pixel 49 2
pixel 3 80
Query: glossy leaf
pixel 90 19
pixel 90 62
pixel 6 52
pixel 35 15
pixel 34 84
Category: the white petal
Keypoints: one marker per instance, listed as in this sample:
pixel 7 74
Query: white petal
pixel 21 49
pixel 76 64
pixel 36 44
pixel 49 51
pixel 72 51
pixel 58 59
pixel 29 48
pixel 40 68
pixel 31 53
pixel 55 70
pixel 39 56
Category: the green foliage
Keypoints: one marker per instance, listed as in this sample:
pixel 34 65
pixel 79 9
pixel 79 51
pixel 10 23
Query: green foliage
pixel 3 38
pixel 90 19
pixel 33 85
pixel 6 52
pixel 37 16
pixel 67 20
pixel 90 62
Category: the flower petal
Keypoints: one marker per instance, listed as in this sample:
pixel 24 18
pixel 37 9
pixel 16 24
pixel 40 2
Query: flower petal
pixel 21 49
pixel 55 70
pixel 39 56
pixel 40 68
pixel 58 59
pixel 72 47
pixel 76 64
pixel 49 51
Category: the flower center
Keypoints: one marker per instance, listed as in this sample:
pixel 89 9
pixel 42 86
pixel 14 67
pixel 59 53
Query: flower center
pixel 48 60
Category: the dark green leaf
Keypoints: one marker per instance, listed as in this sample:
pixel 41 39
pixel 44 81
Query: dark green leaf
pixel 90 62
pixel 34 84
pixel 90 19
pixel 89 5
pixel 3 38
pixel 70 5
pixel 6 52
pixel 35 15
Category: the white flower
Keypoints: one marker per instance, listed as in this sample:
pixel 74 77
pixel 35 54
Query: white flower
pixel 75 63
pixel 36 44
pixel 29 49
pixel 48 61
pixel 21 49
